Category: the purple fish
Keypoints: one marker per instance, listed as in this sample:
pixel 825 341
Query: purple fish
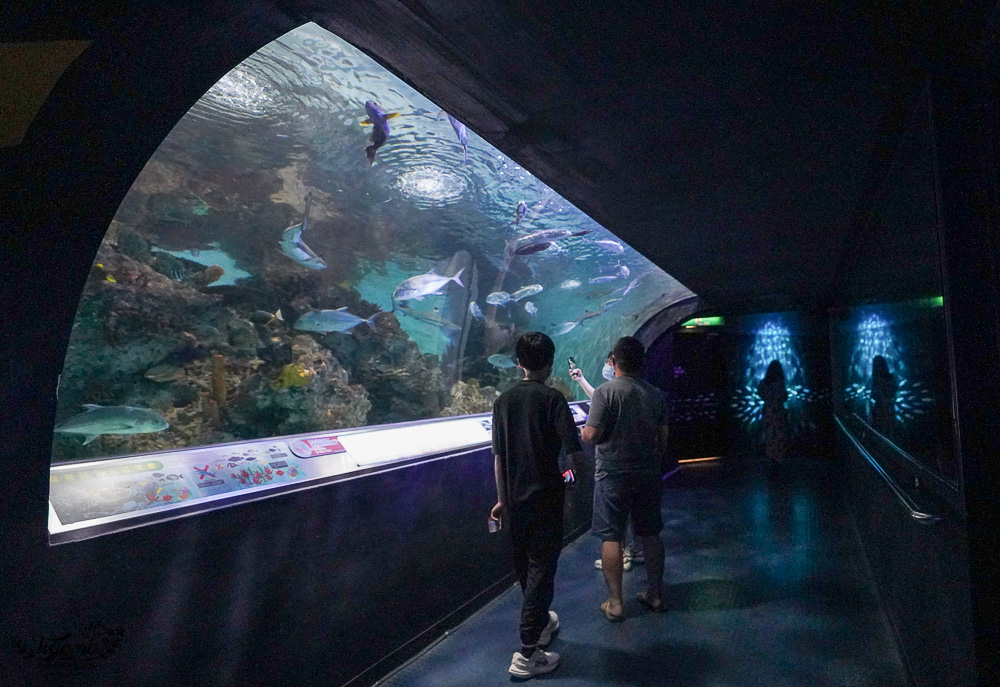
pixel 377 118
pixel 463 136
pixel 532 248
pixel 520 211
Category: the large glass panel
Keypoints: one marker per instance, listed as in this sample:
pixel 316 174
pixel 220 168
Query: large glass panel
pixel 316 246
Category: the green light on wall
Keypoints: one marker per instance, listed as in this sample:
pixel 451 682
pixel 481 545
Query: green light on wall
pixel 932 302
pixel 703 322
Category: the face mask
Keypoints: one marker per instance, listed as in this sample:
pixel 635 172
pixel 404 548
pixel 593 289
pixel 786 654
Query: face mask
pixel 608 372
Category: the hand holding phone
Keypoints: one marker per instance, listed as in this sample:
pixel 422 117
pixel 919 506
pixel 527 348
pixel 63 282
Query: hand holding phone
pixel 495 525
pixel 572 363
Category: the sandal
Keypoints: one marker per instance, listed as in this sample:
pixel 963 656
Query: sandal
pixel 613 617
pixel 658 607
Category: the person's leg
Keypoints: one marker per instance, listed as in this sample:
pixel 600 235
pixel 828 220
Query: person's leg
pixel 653 546
pixel 517 521
pixel 611 566
pixel 544 546
pixel 648 521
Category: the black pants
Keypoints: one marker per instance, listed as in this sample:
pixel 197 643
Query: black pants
pixel 536 530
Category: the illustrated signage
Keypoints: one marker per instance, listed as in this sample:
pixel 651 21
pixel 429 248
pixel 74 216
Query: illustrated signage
pixel 317 446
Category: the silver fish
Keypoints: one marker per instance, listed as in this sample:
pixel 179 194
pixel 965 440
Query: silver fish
pixel 612 246
pixel 526 291
pixel 606 278
pixel 431 283
pixel 326 321
pixel 504 362
pixel 498 298
pixel 565 328
pixel 531 308
pixel 610 303
pixel 98 420
pixel 475 310
pixel 634 283
pixel 624 271
pixel 294 247
pixel 570 284
pixel 432 317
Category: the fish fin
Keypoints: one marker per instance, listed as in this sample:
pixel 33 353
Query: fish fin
pixel 457 278
pixel 392 115
pixel 371 320
pixel 365 122
pixel 278 316
pixel 91 406
pixel 90 438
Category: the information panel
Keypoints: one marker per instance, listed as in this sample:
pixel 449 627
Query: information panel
pixel 98 497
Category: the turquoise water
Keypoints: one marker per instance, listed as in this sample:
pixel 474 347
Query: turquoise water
pixel 229 188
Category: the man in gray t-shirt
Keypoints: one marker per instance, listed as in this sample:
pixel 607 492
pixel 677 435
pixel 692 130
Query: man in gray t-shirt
pixel 628 425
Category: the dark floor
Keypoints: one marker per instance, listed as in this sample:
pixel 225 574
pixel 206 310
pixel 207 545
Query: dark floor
pixel 766 585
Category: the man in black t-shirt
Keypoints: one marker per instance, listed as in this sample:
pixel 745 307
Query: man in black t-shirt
pixel 532 425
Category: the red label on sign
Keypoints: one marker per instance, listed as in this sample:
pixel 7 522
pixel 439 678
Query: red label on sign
pixel 317 446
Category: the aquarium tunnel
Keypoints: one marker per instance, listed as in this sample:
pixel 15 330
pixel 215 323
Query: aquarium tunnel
pixel 270 262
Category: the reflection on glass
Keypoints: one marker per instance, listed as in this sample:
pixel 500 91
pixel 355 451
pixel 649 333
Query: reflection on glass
pixel 317 246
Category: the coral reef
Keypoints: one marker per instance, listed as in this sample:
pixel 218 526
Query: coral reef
pixel 467 398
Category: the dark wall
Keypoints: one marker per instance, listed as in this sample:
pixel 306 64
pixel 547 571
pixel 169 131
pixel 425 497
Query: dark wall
pixel 315 586
pixel 896 421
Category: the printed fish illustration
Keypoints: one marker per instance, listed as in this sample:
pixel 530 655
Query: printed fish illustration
pixel 429 284
pixel 326 321
pixel 520 211
pixel 379 119
pixel 526 291
pixel 499 298
pixel 98 420
pixel 504 362
pixel 294 247
pixel 461 132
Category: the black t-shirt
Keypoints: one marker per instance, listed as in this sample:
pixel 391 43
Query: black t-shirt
pixel 532 424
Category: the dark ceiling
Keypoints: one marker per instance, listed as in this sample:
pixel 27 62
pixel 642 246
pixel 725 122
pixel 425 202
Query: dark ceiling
pixel 737 145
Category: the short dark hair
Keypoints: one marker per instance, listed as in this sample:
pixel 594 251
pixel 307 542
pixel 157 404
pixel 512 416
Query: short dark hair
pixel 534 351
pixel 629 354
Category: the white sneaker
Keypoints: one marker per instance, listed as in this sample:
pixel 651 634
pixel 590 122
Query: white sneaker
pixel 550 629
pixel 598 564
pixel 541 662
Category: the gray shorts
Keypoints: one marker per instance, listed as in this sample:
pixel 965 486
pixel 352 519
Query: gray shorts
pixel 618 495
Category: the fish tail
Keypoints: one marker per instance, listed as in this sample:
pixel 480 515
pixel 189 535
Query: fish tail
pixel 457 278
pixel 90 438
pixel 278 316
pixel 371 320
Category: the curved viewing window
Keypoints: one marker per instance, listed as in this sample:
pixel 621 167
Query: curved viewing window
pixel 314 247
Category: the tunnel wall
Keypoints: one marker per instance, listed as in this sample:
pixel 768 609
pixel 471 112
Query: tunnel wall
pixel 337 584
pixel 896 439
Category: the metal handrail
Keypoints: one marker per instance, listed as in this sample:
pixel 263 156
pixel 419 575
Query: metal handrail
pixel 904 499
pixel 911 460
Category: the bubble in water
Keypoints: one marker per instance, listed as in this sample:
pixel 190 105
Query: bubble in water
pixel 432 185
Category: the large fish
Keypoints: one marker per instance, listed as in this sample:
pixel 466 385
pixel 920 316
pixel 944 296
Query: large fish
pixel 98 420
pixel 294 247
pixel 543 236
pixel 499 298
pixel 609 245
pixel 379 119
pixel 326 321
pixel 504 362
pixel 430 317
pixel 565 328
pixel 533 248
pixel 526 291
pixel 429 284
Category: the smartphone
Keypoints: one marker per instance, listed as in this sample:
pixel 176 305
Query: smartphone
pixel 572 363
pixel 569 477
pixel 495 525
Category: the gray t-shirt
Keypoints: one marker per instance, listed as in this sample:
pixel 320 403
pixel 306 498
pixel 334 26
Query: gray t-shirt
pixel 627 414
